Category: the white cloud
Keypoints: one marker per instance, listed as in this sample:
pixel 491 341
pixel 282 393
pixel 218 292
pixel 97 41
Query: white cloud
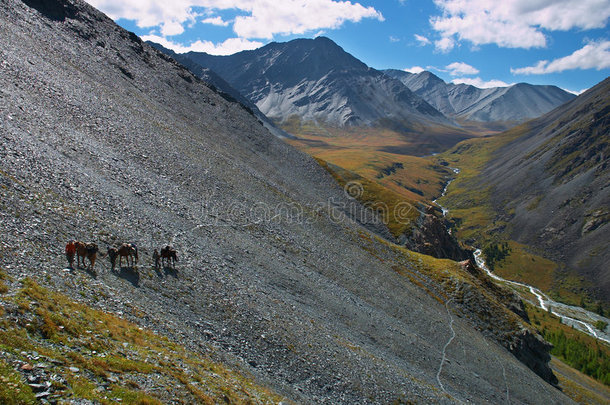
pixel 461 68
pixel 228 47
pixel 422 40
pixel 394 39
pixel 215 21
pixel 414 69
pixel 262 19
pixel 575 92
pixel 170 28
pixel 270 17
pixel 444 44
pixel 514 23
pixel 595 55
pixel 480 83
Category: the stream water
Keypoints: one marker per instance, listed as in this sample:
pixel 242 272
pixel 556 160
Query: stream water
pixel 577 317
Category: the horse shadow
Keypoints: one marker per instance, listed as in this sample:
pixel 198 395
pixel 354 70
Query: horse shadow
pixel 91 272
pixel 129 273
pixel 158 271
pixel 170 271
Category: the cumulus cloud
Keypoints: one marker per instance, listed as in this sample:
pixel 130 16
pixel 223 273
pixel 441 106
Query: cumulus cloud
pixel 422 40
pixel 215 21
pixel 480 83
pixel 444 44
pixel 269 17
pixel 414 69
pixel 513 23
pixel 261 19
pixel 228 47
pixel 394 39
pixel 595 55
pixel 461 68
pixel 171 28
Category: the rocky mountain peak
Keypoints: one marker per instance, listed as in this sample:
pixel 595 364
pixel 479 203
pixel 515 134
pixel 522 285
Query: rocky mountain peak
pixel 316 80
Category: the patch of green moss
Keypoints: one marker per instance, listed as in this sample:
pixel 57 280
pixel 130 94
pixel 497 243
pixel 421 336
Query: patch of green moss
pixel 13 390
pixel 534 203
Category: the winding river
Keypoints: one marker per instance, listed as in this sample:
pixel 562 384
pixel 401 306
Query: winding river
pixel 577 317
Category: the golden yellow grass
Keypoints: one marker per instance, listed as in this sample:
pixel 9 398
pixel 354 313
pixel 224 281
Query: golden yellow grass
pixel 94 341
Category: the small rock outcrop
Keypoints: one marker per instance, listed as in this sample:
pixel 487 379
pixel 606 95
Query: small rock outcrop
pixel 533 351
pixel 431 237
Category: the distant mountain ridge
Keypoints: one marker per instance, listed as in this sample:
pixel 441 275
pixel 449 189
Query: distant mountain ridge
pixel 516 103
pixel 317 80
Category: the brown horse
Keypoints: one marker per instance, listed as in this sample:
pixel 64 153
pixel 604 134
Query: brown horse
pixel 88 250
pixel 128 250
pixel 169 253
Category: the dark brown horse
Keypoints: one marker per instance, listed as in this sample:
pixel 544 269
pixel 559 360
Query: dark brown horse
pixel 128 251
pixel 169 253
pixel 112 255
pixel 156 257
pixel 88 250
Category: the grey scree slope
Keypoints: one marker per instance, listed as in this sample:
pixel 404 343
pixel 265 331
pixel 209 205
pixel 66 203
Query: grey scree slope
pixel 103 139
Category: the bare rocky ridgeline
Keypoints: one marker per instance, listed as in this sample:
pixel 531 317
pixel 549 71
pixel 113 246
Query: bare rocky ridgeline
pixel 316 80
pixel 501 105
pixel 102 138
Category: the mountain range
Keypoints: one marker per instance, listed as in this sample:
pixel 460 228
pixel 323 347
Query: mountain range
pixel 316 81
pixel 284 277
pixel 511 104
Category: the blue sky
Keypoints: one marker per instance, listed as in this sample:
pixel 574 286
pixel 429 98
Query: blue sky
pixel 481 42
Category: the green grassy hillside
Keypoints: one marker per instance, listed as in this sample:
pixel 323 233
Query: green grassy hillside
pixel 540 188
pixel 74 352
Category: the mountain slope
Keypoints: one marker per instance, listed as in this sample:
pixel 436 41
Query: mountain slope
pixel 547 183
pixel 317 80
pixel 516 103
pixel 209 76
pixel 105 139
